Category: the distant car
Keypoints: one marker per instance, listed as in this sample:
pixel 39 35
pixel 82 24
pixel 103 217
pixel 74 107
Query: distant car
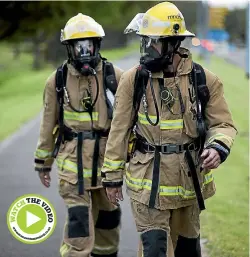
pixel 208 45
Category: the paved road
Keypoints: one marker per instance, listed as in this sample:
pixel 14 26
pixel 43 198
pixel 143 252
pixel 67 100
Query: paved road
pixel 17 178
pixel 237 57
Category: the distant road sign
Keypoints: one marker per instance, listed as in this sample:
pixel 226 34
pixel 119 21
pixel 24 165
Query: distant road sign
pixel 218 35
pixel 217 17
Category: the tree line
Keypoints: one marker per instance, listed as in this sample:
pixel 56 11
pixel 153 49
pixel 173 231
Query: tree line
pixel 39 23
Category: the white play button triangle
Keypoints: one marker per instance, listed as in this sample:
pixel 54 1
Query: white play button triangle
pixel 31 219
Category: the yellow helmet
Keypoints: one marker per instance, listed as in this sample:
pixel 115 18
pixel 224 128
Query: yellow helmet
pixel 81 26
pixel 162 20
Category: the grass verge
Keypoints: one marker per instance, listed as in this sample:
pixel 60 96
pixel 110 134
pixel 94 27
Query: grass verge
pixel 21 88
pixel 225 221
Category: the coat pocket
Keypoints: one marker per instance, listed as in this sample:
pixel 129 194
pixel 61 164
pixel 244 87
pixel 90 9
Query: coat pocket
pixel 66 189
pixel 66 156
pixel 140 166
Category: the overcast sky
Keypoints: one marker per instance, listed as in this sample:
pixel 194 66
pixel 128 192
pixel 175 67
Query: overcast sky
pixel 228 3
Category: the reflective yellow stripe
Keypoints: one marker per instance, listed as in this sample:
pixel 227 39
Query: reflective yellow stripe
pixel 143 120
pixel 177 190
pixel 42 153
pixel 221 136
pixel 83 116
pixel 113 165
pixel 63 249
pixel 164 124
pixel 104 250
pixel 72 166
pixel 165 190
pixel 209 177
pixel 172 124
pixel 138 183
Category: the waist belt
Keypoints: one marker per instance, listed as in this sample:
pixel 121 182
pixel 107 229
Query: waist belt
pixel 87 134
pixel 145 147
pixel 81 136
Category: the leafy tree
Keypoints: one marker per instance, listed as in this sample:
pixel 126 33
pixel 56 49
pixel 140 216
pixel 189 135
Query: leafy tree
pixel 236 25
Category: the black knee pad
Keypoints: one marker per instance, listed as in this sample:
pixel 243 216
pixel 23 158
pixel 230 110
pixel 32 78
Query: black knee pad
pixel 188 247
pixel 154 243
pixel 78 224
pixel 105 255
pixel 108 219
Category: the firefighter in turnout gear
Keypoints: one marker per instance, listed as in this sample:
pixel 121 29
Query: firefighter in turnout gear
pixel 174 113
pixel 78 108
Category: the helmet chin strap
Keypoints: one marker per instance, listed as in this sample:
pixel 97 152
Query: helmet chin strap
pixel 182 55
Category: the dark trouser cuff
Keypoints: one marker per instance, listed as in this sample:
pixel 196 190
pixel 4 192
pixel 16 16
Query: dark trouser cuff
pixel 104 255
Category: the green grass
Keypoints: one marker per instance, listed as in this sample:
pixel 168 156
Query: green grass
pixel 21 89
pixel 225 221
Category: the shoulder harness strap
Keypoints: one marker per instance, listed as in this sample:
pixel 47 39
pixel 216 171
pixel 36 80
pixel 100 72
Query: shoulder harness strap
pixel 141 78
pixel 203 92
pixel 61 77
pixel 109 77
pixel 109 83
pixel 198 77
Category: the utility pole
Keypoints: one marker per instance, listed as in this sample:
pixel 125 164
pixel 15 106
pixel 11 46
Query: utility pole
pixel 199 25
pixel 206 28
pixel 247 40
pixel 202 21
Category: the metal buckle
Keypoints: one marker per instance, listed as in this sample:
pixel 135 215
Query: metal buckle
pixel 147 148
pixel 163 148
pixel 180 148
pixel 172 148
pixel 166 149
pixel 88 135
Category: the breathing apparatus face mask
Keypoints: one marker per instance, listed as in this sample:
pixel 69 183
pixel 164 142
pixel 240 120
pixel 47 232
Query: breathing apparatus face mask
pixel 158 53
pixel 83 50
pixel 84 55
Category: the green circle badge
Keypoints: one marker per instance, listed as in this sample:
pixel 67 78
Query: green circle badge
pixel 31 219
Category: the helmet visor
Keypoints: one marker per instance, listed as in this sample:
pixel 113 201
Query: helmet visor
pixel 135 24
pixel 148 25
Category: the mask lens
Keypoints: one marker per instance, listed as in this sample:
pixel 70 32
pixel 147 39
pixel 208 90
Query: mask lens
pixel 83 48
pixel 169 45
pixel 151 47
